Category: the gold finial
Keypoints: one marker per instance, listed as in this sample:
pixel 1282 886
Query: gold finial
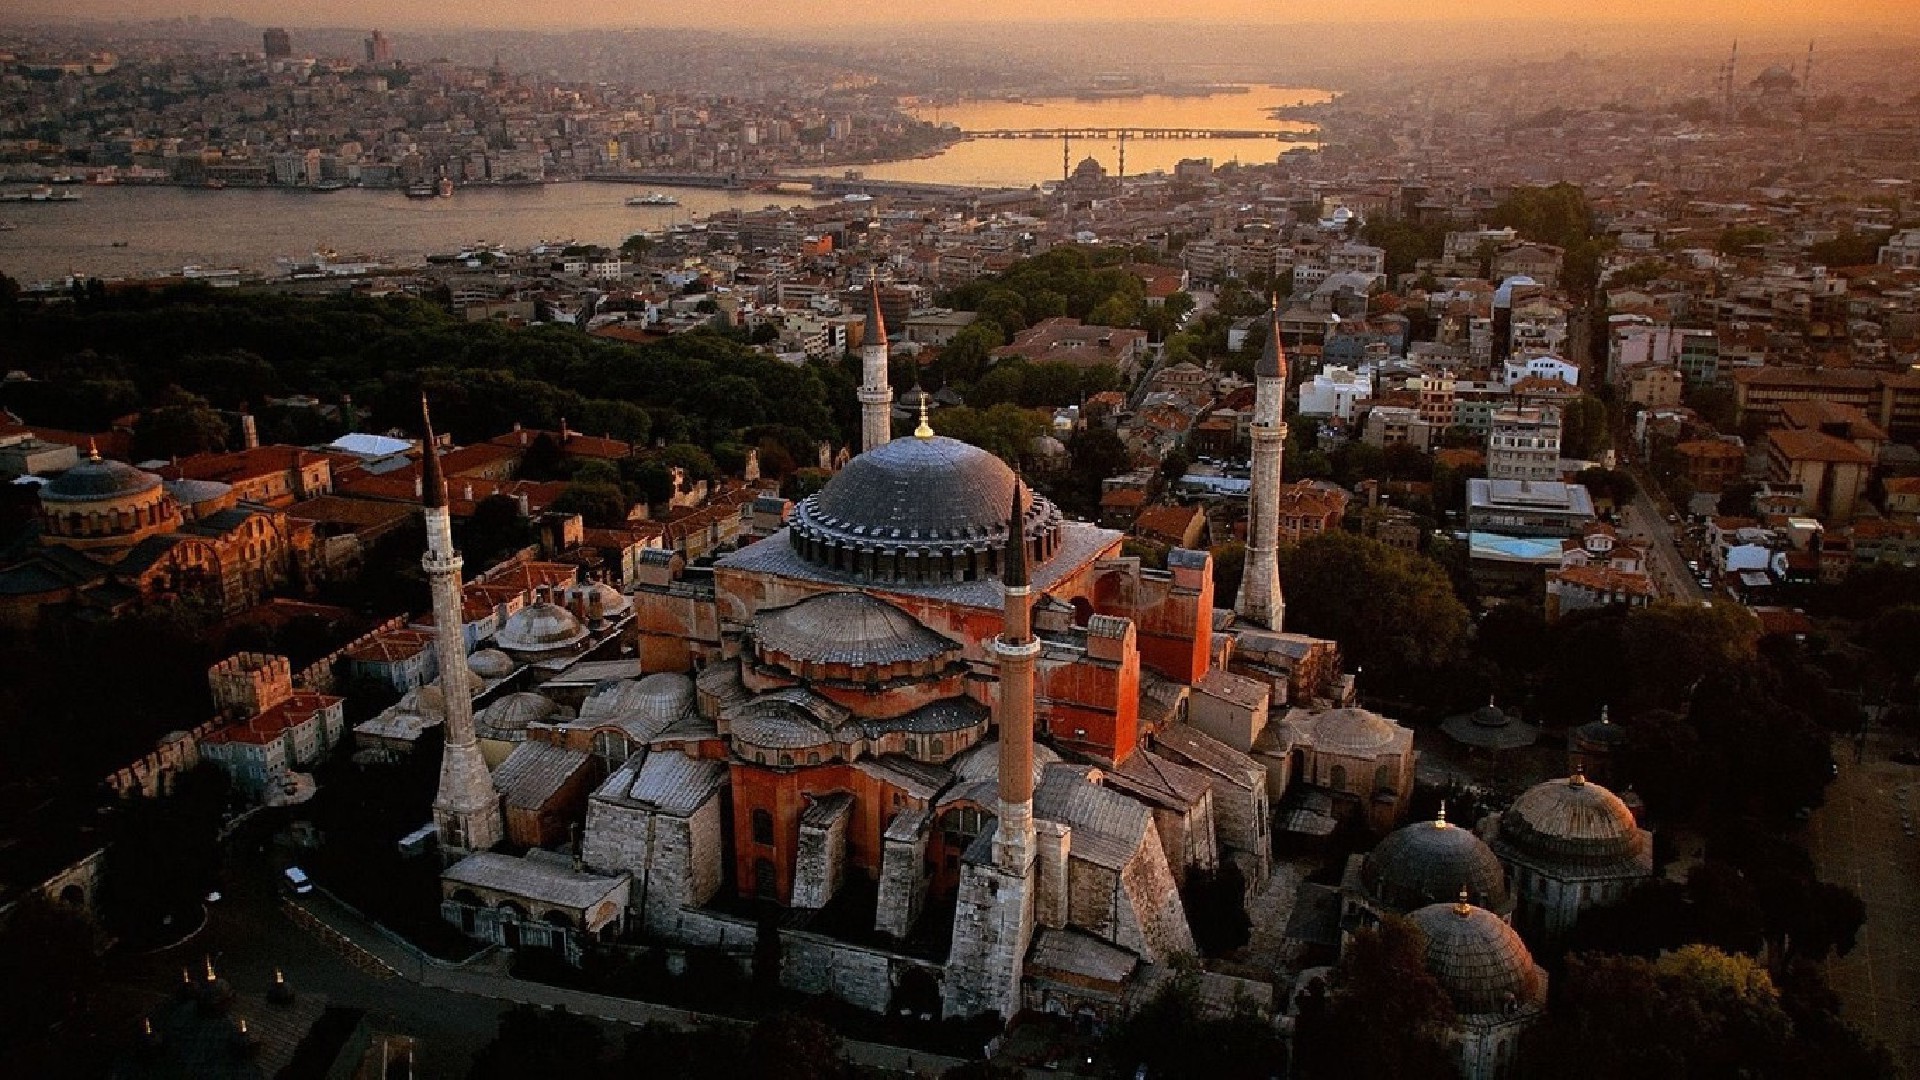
pixel 243 1025
pixel 925 430
pixel 93 450
pixel 146 1026
pixel 1463 908
pixel 1579 777
pixel 1440 822
pixel 211 977
pixel 279 977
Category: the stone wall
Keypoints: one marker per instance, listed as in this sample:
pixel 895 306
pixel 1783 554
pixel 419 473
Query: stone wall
pixel 1151 920
pixel 821 858
pixel 992 926
pixel 903 884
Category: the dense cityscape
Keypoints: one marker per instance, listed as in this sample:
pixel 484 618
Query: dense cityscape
pixel 1419 576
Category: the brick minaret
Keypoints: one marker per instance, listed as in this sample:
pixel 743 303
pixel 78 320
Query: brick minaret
pixel 994 909
pixel 1260 602
pixel 466 811
pixel 876 393
pixel 1016 650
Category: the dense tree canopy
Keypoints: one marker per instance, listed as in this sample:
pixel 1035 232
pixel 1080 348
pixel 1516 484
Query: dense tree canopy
pixel 1393 613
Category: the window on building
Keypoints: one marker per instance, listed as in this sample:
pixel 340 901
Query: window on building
pixel 762 827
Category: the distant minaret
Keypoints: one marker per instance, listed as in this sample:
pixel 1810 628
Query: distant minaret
pixel 1260 602
pixel 466 811
pixel 876 393
pixel 1015 650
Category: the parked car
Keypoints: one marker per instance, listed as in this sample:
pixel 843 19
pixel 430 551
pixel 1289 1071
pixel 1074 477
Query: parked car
pixel 298 883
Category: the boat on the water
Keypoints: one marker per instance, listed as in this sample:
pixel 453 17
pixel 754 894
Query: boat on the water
pixel 324 186
pixel 41 194
pixel 653 198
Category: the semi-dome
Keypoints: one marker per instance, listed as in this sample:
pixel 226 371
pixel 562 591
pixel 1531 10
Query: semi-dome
pixel 1352 731
pixel 1430 861
pixel 1572 822
pixel 541 627
pixel 97 479
pixel 848 628
pixel 1478 960
pixel 920 510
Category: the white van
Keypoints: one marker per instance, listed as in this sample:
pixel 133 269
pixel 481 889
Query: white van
pixel 297 881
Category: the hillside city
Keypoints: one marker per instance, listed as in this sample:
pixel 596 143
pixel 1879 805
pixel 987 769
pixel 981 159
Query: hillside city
pixel 1436 596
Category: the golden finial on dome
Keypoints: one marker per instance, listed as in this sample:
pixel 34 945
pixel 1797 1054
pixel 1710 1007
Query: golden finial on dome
pixel 1579 777
pixel 211 977
pixel 1463 908
pixel 93 450
pixel 925 430
pixel 1440 820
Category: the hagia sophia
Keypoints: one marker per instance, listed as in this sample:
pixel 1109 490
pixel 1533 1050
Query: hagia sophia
pixel 969 751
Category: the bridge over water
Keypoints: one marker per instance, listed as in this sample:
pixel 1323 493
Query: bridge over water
pixel 1112 133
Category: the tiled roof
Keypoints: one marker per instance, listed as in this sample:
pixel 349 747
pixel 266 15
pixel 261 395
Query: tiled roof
pixel 532 879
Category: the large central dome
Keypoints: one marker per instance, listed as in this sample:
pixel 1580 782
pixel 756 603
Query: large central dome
pixel 920 510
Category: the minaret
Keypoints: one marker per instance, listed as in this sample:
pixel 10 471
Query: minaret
pixel 1259 601
pixel 1015 650
pixel 876 393
pixel 994 908
pixel 466 811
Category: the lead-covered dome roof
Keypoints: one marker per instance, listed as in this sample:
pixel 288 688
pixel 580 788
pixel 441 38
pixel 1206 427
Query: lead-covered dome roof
pixel 1352 731
pixel 920 509
pixel 1574 823
pixel 1429 862
pixel 848 628
pixel 1477 959
pixel 96 479
pixel 540 627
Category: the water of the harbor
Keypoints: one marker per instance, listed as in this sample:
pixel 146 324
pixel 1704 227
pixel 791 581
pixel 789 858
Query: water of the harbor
pixel 124 231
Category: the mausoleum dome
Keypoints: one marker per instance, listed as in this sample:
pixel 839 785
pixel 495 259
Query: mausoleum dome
pixel 541 627
pixel 1352 732
pixel 1572 822
pixel 1478 960
pixel 1428 862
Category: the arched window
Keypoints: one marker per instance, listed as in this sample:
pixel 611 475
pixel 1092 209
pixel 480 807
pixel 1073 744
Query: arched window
pixel 762 827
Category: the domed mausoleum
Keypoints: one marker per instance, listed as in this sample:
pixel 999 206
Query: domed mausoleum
pixel 1489 977
pixel 1568 845
pixel 1426 863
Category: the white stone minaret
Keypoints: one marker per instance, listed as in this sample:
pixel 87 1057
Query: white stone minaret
pixel 1259 601
pixel 466 810
pixel 876 393
pixel 995 908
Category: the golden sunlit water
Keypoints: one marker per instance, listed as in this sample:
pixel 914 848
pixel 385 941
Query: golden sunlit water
pixel 1020 162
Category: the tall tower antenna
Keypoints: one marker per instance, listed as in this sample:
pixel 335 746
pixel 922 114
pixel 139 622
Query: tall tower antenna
pixel 1066 154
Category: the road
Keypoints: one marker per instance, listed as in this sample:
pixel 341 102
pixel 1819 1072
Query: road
pixel 1643 520
pixel 451 1009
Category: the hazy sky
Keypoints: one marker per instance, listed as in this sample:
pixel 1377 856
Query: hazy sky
pixel 1735 15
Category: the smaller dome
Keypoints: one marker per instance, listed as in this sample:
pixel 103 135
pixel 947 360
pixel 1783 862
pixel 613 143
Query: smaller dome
pixel 613 602
pixel 541 627
pixel 1351 731
pixel 1430 861
pixel 508 717
pixel 1478 960
pixel 427 701
pixel 491 664
pixel 97 479
pixel 981 761
pixel 664 696
pixel 1573 822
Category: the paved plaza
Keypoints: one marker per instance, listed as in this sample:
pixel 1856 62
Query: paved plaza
pixel 1867 837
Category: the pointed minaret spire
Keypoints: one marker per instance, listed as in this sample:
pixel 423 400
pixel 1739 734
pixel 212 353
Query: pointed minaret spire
pixel 433 483
pixel 1016 650
pixel 876 393
pixel 1260 602
pixel 466 809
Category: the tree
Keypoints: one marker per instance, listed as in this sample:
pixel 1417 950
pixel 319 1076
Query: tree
pixel 1584 428
pixel 791 1045
pixel 535 1041
pixel 598 504
pixel 1394 613
pixel 184 425
pixel 1175 1038
pixel 47 969
pixel 1669 647
pixel 1384 1014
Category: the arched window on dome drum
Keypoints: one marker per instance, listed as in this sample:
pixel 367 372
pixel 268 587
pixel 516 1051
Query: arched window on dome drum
pixel 1337 778
pixel 762 827
pixel 786 760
